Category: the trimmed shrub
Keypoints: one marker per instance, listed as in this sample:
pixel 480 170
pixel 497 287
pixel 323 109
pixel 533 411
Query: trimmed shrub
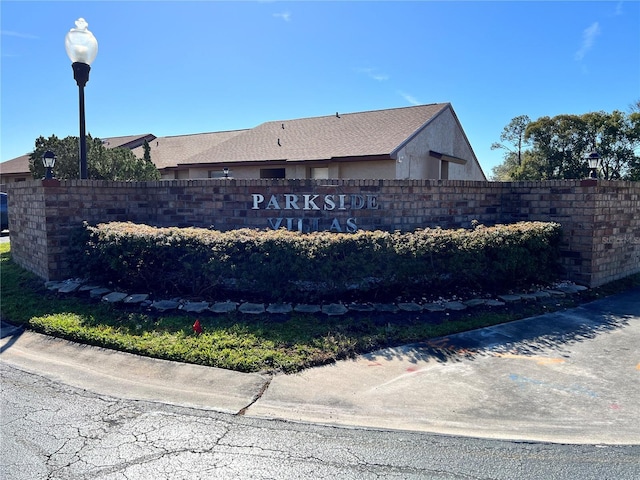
pixel 291 266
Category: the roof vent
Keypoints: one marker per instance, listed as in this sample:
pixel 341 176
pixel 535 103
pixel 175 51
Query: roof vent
pixel 337 115
pixel 279 143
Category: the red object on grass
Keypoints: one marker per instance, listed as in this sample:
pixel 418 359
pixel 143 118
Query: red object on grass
pixel 197 328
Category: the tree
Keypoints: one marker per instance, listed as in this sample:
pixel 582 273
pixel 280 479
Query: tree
pixel 557 146
pixel 513 138
pixel 118 164
pixel 511 171
pixel 560 143
pixel 147 151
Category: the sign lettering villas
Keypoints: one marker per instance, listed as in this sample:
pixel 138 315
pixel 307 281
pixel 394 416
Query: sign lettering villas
pixel 290 202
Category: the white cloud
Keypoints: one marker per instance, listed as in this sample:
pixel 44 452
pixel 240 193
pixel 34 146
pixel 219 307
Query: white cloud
pixel 381 77
pixel 286 16
pixel 9 33
pixel 410 98
pixel 373 74
pixel 588 39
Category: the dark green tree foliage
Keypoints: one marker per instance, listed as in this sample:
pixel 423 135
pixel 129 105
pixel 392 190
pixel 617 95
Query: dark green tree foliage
pixel 118 164
pixel 147 152
pixel 557 147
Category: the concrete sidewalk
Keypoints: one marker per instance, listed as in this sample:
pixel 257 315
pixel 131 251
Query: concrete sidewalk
pixel 568 377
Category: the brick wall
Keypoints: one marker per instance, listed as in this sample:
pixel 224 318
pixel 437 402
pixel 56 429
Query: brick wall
pixel 601 219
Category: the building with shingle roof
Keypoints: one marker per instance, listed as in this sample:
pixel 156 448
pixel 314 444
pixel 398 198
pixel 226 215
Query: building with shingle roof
pixel 418 142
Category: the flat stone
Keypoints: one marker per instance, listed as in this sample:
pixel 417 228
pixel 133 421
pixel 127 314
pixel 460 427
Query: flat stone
pixel 385 307
pixel 223 307
pixel 114 297
pixel 136 298
pixel 455 306
pixel 165 305
pixel 252 308
pixel 280 308
pixel 571 288
pixel 334 309
pixel 541 294
pixel 556 293
pixel 305 308
pixel 410 307
pixel 434 307
pixel 475 302
pixel 69 287
pixel 494 303
pixel 361 307
pixel 510 298
pixel 195 307
pixel 528 297
pixel 88 288
pixel 99 292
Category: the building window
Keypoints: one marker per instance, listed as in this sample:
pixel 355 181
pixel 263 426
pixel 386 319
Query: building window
pixel 320 173
pixel 272 173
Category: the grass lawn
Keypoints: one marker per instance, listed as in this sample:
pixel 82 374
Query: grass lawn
pixel 247 343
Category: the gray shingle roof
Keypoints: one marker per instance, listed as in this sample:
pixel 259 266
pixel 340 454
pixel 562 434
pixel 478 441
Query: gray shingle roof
pixel 171 151
pixel 15 165
pixel 378 132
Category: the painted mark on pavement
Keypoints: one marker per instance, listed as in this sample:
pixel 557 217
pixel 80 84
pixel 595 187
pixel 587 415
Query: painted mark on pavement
pixel 574 389
pixel 538 360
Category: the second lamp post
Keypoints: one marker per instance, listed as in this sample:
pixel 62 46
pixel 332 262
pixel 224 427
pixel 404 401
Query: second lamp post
pixel 82 48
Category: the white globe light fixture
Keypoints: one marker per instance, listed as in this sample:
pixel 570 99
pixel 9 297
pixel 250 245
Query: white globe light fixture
pixel 82 48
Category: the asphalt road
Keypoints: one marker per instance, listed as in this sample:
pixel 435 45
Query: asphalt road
pixel 53 431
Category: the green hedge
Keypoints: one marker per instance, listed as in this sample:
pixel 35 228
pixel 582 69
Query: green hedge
pixel 282 265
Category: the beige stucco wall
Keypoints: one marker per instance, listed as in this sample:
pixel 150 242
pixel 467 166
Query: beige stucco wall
pixel 384 170
pixel 443 135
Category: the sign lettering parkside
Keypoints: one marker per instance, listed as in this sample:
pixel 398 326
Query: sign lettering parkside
pixel 290 202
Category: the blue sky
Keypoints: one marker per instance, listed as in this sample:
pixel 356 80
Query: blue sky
pixel 171 68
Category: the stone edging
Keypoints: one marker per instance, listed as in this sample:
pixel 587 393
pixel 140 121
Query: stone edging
pixel 106 295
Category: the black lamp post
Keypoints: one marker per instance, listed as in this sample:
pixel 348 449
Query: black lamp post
pixel 82 48
pixel 594 161
pixel 48 160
